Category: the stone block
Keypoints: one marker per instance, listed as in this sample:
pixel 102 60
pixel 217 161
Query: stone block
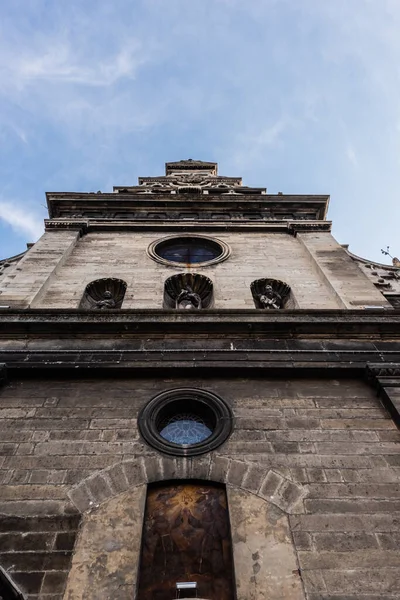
pixel 99 487
pixel 253 478
pixel 289 497
pixel 236 472
pixel 361 582
pixel 344 542
pixel 200 467
pixel 271 485
pixel 30 582
pixel 182 468
pixel 219 468
pixel 134 471
pixel 65 541
pixel 302 540
pixel 117 478
pixel 355 559
pixel 81 497
pixel 153 469
pixel 54 582
pixel 169 468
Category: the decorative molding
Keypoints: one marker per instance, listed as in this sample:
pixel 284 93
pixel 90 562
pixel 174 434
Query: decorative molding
pixel 376 370
pixel 211 408
pixel 152 250
pixel 3 374
pixel 257 479
pixel 304 227
pixel 394 299
pixel 60 224
pixel 386 378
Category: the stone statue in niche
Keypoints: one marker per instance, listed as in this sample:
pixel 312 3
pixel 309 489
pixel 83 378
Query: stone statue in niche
pixel 104 294
pixel 188 300
pixel 106 302
pixel 188 291
pixel 271 294
pixel 270 298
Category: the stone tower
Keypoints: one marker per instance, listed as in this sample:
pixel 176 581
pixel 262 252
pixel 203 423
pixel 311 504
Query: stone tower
pixel 199 398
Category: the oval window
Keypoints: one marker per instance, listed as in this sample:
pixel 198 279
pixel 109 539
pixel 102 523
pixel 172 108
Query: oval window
pixel 188 250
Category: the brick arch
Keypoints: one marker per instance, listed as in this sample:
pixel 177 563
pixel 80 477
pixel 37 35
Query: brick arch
pixel 251 477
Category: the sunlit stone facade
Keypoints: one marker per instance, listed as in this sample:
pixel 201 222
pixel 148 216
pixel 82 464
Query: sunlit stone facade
pixel 199 395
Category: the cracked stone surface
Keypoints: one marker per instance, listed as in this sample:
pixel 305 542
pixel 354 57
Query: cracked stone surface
pixel 263 551
pixel 107 552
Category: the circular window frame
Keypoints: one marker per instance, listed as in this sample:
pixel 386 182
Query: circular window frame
pixel 155 410
pixel 152 251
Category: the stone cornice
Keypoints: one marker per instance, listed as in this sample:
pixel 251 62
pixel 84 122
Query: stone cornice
pixel 62 224
pixel 3 374
pixel 389 371
pixel 107 225
pixel 354 324
pixel 309 227
pixel 386 378
pixel 108 206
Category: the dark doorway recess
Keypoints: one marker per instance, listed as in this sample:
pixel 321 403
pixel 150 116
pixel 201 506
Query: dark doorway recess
pixel 186 538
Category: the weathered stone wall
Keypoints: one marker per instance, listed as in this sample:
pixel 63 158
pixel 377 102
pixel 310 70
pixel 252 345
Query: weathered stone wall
pixel 330 439
pixel 340 272
pixel 24 284
pixel 254 255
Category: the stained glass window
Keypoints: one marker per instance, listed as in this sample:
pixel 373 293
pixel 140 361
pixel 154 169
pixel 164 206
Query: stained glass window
pixel 185 429
pixel 189 250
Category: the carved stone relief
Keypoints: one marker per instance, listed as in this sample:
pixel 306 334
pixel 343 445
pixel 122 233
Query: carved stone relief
pixel 188 291
pixel 271 294
pixel 104 294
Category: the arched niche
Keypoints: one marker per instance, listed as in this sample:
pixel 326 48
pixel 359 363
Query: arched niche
pixel 104 294
pixel 107 554
pixel 272 294
pixel 186 538
pixel 188 291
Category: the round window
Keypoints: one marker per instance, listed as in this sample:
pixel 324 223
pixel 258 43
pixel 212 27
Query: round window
pixel 188 250
pixel 185 422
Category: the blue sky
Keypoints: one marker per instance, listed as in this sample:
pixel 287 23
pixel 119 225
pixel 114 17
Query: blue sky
pixel 300 96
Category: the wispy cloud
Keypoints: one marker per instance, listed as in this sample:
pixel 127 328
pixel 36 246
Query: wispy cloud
pixel 351 155
pixel 59 63
pixel 21 220
pixel 94 93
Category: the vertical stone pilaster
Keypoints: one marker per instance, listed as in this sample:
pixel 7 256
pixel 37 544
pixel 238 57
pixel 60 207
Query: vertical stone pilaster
pixel 37 268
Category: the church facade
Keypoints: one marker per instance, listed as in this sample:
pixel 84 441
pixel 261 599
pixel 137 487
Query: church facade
pixel 199 397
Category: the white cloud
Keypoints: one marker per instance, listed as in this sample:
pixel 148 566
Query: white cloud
pixel 60 63
pixel 21 220
pixel 351 155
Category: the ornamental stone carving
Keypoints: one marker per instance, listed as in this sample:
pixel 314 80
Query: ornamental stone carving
pixel 271 294
pixel 188 291
pixel 104 294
